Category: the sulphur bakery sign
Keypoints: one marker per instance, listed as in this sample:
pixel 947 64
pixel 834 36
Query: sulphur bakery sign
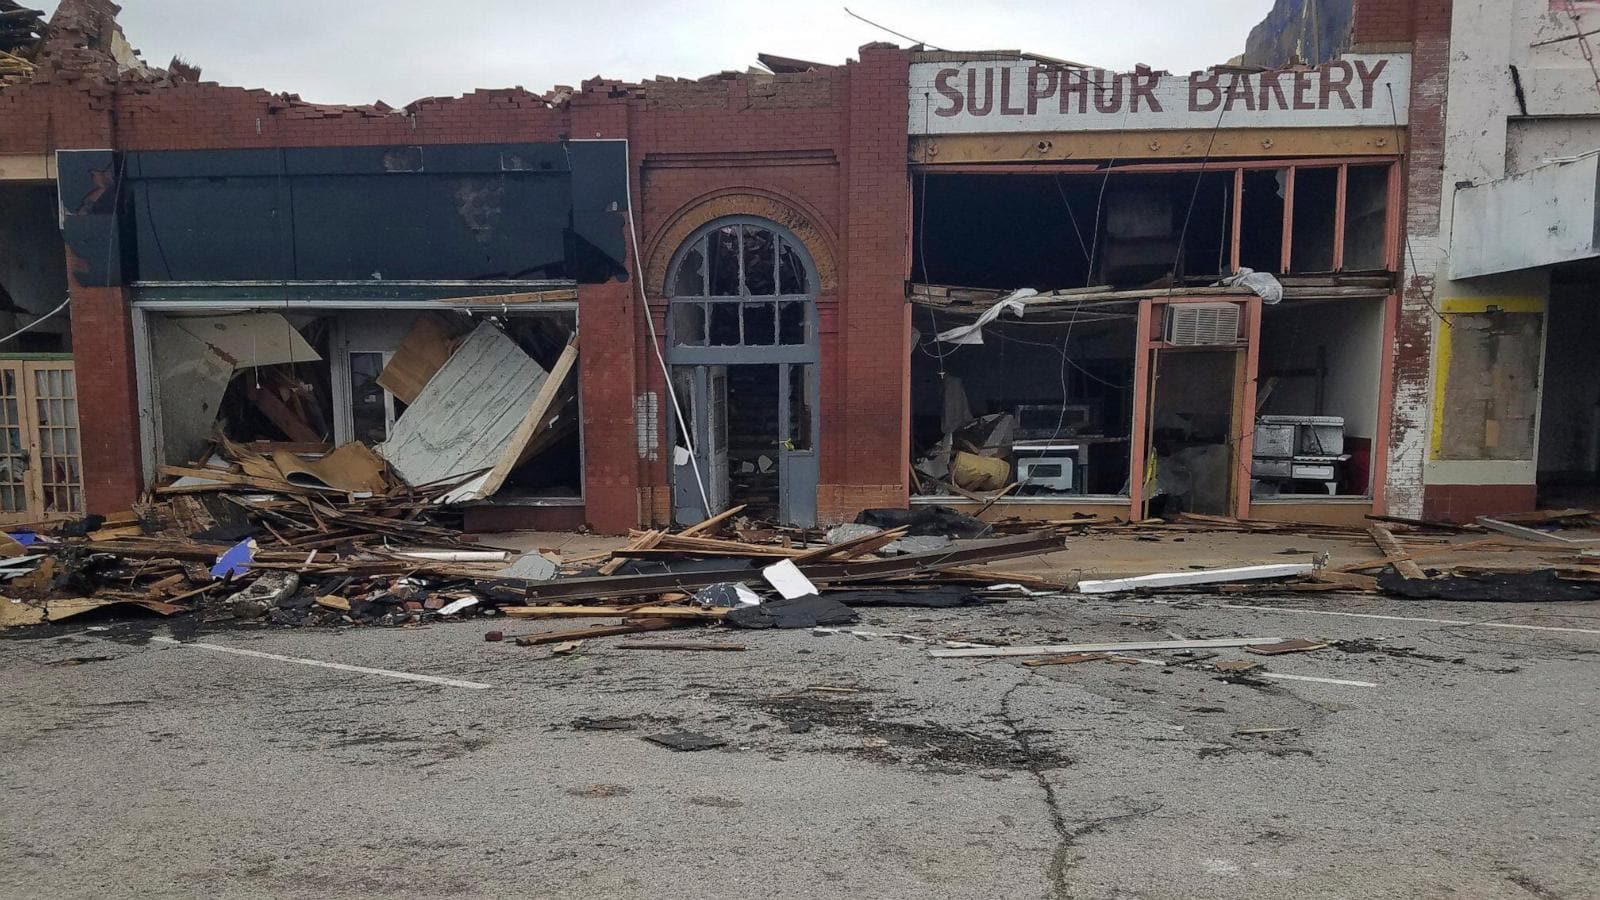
pixel 1012 95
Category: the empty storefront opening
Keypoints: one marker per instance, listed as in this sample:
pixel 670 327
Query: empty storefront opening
pixel 316 379
pixel 1192 431
pixel 1569 418
pixel 33 270
pixel 1317 398
pixel 1051 401
pixel 753 438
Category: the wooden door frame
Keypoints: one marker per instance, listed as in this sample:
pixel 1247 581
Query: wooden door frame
pixel 1242 406
pixel 27 366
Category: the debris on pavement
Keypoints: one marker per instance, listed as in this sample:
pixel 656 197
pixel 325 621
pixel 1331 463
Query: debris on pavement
pixel 685 741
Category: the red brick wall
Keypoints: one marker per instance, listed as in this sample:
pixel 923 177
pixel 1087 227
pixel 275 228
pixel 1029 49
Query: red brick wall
pixel 1382 21
pixel 1466 502
pixel 831 143
pixel 108 408
pixel 868 449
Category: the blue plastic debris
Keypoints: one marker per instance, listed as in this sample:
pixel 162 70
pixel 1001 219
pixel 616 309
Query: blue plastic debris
pixel 235 560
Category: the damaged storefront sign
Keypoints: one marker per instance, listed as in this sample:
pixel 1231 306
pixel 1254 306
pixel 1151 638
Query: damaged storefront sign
pixel 989 95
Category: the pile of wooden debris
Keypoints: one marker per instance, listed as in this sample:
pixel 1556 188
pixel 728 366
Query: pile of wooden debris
pixel 290 540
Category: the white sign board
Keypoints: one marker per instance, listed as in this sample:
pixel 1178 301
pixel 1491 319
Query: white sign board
pixel 1019 95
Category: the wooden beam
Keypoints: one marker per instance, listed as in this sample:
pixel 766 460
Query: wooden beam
pixel 530 422
pixel 611 612
pixel 578 634
pixel 1182 144
pixel 1403 563
pixel 712 523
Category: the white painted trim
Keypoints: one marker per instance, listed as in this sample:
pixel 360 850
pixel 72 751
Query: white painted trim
pixel 148 393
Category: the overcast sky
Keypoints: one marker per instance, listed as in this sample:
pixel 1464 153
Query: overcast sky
pixel 352 51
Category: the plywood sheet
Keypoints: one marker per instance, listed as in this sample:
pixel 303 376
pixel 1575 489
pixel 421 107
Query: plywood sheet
pixel 352 467
pixel 250 339
pixel 420 356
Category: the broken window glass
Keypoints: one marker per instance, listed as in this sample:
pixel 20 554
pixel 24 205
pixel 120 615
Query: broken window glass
pixel 1261 220
pixel 723 247
pixel 792 322
pixel 759 277
pixel 691 278
pixel 688 323
pixel 799 388
pixel 725 324
pixel 1366 217
pixel 1316 193
pixel 791 271
pixel 368 410
pixel 760 328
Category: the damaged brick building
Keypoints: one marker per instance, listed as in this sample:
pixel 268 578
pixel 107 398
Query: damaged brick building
pixel 808 241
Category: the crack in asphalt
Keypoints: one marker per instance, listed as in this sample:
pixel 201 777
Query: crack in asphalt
pixel 1056 871
pixel 1059 868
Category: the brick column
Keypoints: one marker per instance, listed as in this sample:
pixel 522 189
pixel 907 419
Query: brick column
pixel 108 403
pixel 606 385
pixel 866 456
pixel 1381 25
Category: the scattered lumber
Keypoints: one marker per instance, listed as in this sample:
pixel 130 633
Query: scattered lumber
pixel 578 634
pixel 1403 563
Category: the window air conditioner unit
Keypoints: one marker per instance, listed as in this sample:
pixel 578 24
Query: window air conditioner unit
pixel 1202 324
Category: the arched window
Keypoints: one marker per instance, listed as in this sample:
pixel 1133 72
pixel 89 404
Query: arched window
pixel 741 282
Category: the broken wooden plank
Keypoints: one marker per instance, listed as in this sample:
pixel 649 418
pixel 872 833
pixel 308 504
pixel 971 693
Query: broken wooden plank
pixel 1404 565
pixel 845 550
pixel 687 646
pixel 1425 554
pixel 556 295
pixel 643 542
pixel 421 354
pixel 531 422
pixel 1109 647
pixel 712 523
pixel 606 612
pixel 1189 579
pixel 1346 580
pixel 578 634
pixel 1297 645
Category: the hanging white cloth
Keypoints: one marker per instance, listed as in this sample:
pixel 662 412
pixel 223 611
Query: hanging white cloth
pixel 973 334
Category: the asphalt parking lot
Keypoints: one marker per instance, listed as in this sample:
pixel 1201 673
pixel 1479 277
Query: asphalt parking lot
pixel 1437 750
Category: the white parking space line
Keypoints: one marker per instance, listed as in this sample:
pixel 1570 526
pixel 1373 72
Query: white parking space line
pixel 1286 677
pixel 1351 615
pixel 362 670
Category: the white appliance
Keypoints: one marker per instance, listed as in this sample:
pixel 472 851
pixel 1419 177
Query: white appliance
pixel 1052 473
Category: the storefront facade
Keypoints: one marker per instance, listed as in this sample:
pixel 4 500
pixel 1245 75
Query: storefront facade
pixel 756 271
pixel 1123 199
